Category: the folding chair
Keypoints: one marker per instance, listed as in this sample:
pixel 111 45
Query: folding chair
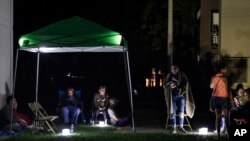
pixel 186 122
pixel 42 120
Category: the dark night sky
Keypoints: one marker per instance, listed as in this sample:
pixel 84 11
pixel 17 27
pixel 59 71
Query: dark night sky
pixel 122 16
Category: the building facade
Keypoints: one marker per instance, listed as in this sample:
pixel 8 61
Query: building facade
pixel 6 49
pixel 225 34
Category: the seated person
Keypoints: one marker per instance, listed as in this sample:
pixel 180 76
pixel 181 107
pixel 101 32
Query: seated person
pixel 246 107
pixel 101 102
pixel 18 124
pixel 114 119
pixel 240 114
pixel 70 107
pixel 239 99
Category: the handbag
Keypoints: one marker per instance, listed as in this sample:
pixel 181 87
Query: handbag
pixel 211 105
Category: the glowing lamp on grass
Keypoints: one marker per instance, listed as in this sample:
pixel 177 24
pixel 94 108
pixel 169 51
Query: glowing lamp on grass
pixel 101 124
pixel 203 131
pixel 65 132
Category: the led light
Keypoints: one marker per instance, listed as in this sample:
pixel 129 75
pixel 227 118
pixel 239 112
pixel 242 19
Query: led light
pixel 102 124
pixel 65 132
pixel 203 131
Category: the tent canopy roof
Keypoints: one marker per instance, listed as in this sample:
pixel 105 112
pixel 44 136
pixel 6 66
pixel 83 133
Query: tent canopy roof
pixel 72 35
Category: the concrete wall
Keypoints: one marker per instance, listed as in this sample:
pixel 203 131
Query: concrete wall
pixel 235 30
pixel 6 49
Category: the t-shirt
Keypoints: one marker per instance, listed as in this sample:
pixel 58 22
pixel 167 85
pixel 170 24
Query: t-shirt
pixel 219 85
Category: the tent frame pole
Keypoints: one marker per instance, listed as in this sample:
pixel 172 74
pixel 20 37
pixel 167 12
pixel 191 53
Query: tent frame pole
pixel 37 74
pixel 13 88
pixel 127 67
pixel 130 91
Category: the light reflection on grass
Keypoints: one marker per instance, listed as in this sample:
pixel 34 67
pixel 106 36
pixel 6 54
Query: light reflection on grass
pixel 94 133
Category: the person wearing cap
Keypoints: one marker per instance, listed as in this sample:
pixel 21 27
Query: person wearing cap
pixel 114 119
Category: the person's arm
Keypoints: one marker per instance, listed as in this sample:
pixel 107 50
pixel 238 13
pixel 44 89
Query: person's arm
pixel 7 115
pixel 182 83
pixel 106 101
pixel 79 101
pixel 212 83
pixel 96 101
pixel 23 122
pixel 62 101
pixel 167 80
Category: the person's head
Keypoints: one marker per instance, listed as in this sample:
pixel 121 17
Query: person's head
pixel 175 68
pixel 10 100
pixel 240 89
pixel 70 91
pixel 247 94
pixel 222 68
pixel 102 90
pixel 113 102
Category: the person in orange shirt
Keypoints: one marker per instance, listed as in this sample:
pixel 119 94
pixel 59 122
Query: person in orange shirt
pixel 220 97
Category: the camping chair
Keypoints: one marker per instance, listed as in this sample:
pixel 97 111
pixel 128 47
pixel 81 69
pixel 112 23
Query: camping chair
pixel 99 115
pixel 186 122
pixel 42 120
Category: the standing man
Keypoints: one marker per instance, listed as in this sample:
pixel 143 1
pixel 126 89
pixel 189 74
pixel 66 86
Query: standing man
pixel 178 96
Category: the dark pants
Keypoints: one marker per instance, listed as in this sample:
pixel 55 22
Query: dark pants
pixel 122 122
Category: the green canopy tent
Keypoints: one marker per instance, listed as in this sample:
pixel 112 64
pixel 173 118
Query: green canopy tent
pixel 75 35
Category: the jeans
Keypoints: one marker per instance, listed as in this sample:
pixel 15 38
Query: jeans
pixel 178 105
pixel 70 114
pixel 122 122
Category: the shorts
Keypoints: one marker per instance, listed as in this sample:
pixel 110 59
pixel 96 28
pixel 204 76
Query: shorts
pixel 220 102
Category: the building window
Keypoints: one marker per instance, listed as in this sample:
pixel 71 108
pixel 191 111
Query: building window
pixel 215 28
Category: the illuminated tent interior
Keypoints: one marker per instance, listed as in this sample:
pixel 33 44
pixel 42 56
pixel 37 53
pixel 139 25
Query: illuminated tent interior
pixel 75 35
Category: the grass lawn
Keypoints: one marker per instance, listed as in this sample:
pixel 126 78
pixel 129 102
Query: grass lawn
pixel 91 133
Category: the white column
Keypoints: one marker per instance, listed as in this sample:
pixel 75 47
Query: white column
pixel 6 49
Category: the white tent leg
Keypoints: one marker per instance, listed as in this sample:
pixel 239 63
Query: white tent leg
pixel 130 88
pixel 13 88
pixel 37 74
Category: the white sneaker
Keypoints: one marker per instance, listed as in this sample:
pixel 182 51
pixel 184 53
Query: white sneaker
pixel 173 131
pixel 222 130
